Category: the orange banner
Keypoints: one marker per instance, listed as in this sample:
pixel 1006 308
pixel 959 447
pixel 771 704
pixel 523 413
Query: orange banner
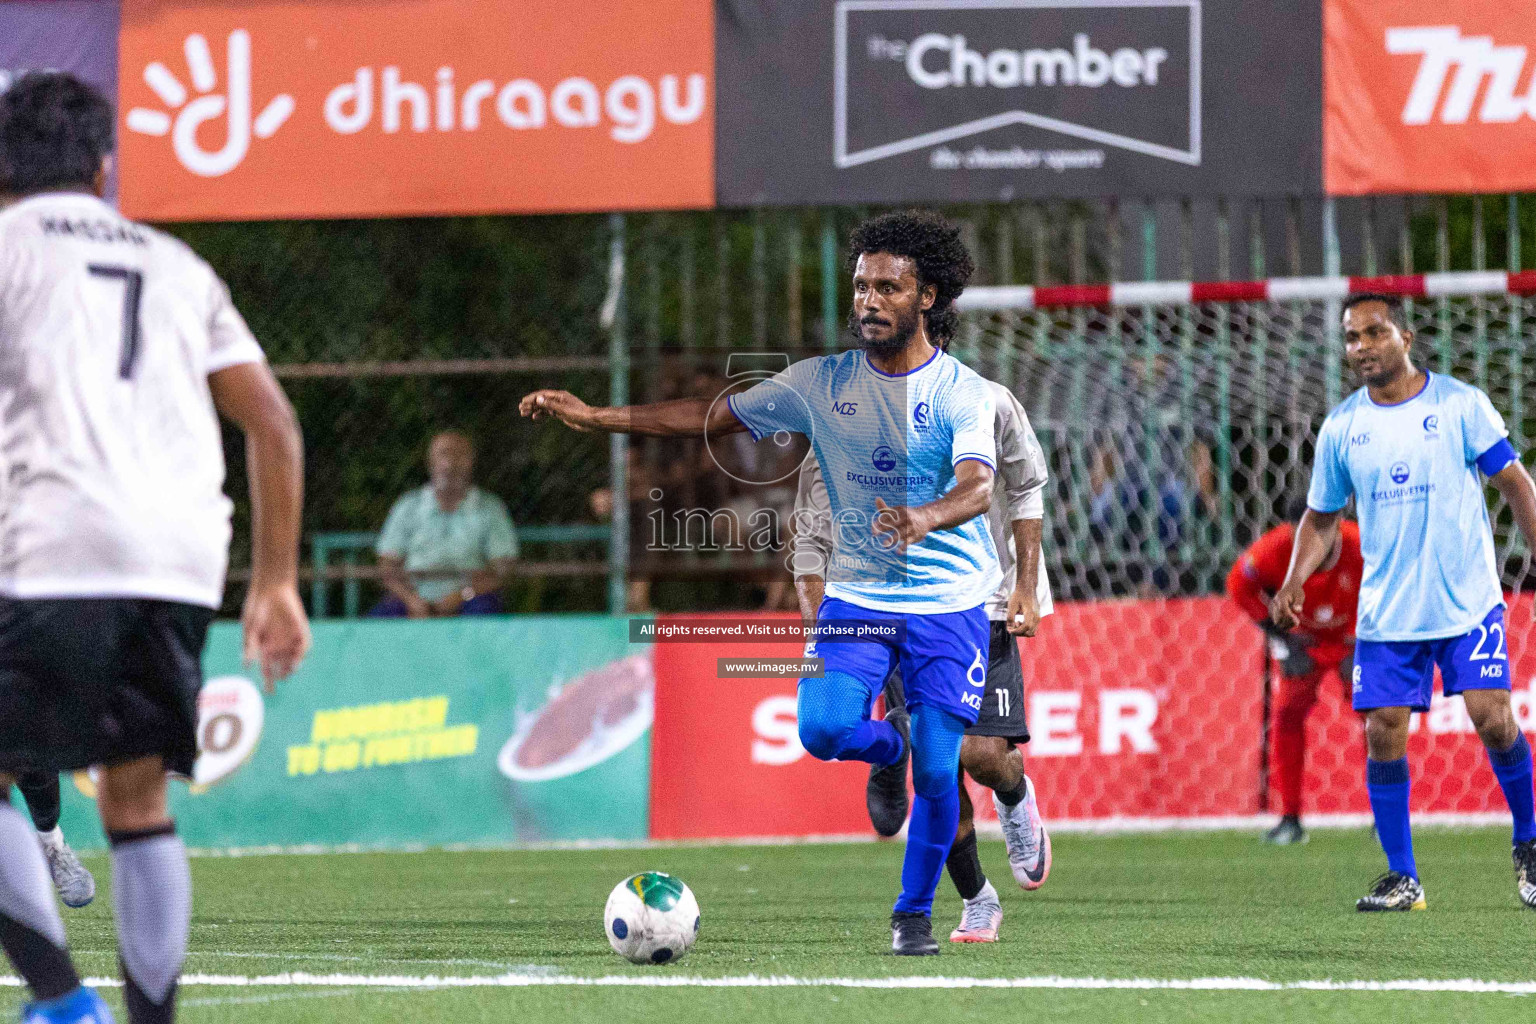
pixel 1149 710
pixel 330 108
pixel 1429 96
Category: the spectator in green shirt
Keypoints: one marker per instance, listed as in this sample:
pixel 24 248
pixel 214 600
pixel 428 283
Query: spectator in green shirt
pixel 446 548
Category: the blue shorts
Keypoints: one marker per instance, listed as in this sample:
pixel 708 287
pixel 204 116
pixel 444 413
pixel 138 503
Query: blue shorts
pixel 1401 673
pixel 943 657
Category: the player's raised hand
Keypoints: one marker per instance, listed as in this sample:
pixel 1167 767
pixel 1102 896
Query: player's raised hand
pixel 276 631
pixel 1023 613
pixel 1285 607
pixel 898 528
pixel 562 405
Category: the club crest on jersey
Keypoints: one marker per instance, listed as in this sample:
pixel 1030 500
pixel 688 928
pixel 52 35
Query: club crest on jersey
pixel 920 416
pixel 883 458
pixel 1399 472
pixel 1431 426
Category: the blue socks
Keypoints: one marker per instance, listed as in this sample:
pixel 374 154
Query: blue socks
pixel 1512 767
pixel 1387 783
pixel 875 742
pixel 834 721
pixel 936 736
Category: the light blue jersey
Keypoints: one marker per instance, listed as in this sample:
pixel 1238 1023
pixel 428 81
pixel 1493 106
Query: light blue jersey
pixel 1415 471
pixel 897 438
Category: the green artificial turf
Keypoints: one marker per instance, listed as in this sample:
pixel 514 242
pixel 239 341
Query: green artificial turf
pixel 1163 906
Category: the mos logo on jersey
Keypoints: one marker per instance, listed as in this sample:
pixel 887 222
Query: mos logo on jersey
pixel 1399 472
pixel 845 408
pixel 233 105
pixel 883 458
pixel 1359 439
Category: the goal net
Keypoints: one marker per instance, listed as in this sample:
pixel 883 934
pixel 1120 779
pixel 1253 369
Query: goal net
pixel 1177 431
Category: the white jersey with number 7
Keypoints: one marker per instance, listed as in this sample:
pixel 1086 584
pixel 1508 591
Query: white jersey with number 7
pixel 111 463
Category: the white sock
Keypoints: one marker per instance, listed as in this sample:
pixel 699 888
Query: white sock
pixel 987 895
pixel 53 839
pixel 152 897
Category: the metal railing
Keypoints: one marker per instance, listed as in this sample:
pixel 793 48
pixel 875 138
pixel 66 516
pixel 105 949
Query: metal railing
pixel 348 546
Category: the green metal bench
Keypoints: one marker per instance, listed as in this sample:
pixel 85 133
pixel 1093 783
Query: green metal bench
pixel 346 547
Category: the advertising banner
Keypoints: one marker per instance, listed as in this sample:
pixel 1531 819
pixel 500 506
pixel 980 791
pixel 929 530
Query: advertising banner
pixel 78 36
pixel 886 101
pixel 328 108
pixel 1429 96
pixel 726 758
pixel 396 734
pixel 1139 711
pixel 540 728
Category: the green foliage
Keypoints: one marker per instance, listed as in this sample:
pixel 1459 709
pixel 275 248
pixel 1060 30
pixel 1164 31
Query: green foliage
pixel 398 290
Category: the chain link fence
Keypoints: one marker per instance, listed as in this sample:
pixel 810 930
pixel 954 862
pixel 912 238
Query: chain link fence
pixel 1176 435
pixel 385 332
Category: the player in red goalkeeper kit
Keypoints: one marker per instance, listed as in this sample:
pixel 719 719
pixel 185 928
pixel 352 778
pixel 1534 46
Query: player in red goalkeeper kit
pixel 1323 640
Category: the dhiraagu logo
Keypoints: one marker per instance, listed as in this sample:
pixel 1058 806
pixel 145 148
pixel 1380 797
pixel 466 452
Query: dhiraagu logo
pixel 233 104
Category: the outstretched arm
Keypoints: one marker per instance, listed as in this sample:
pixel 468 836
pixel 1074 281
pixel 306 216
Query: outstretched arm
pixel 1315 537
pixel 680 418
pixel 970 497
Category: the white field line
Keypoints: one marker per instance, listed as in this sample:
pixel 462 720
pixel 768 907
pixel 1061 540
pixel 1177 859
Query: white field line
pixel 663 980
pixel 1095 826
pixel 501 965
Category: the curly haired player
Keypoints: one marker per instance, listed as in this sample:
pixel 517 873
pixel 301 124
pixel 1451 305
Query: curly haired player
pixel 990 752
pixel 1324 642
pixel 904 435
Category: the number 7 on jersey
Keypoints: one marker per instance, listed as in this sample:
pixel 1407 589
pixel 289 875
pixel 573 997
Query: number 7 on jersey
pixel 133 291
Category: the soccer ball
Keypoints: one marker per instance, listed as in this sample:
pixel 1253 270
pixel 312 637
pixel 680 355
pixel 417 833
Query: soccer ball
pixel 651 918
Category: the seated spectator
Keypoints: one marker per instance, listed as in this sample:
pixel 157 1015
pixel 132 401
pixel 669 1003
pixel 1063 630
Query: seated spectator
pixel 446 548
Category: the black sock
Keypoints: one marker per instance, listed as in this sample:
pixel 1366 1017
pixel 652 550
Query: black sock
pixel 31 931
pixel 964 866
pixel 46 967
pixel 143 1010
pixel 41 792
pixel 1012 796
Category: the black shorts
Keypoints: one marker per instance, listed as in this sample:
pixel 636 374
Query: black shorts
pixel 87 681
pixel 1002 702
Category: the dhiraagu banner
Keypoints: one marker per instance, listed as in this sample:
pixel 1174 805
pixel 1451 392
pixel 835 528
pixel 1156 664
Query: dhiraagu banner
pixel 397 734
